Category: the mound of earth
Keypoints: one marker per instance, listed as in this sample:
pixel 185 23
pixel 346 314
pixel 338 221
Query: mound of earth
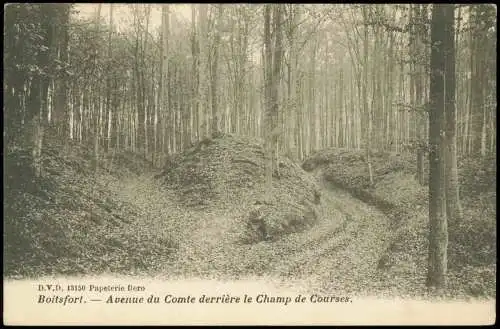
pixel 69 221
pixel 228 172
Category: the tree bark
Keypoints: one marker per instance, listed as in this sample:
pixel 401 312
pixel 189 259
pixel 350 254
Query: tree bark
pixel 273 57
pixel 61 84
pixel 267 97
pixel 276 81
pixel 477 87
pixel 453 206
pixel 164 85
pixel 203 69
pixel 96 122
pixel 420 16
pixel 438 228
pixel 366 109
pixel 195 77
pixel 214 76
pixel 108 78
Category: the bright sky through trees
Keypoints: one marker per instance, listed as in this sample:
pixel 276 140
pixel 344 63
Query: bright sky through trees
pixel 123 14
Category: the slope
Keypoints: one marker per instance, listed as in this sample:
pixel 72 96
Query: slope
pixel 472 242
pixel 69 221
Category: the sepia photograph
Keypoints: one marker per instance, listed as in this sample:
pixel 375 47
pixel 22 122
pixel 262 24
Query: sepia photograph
pixel 269 164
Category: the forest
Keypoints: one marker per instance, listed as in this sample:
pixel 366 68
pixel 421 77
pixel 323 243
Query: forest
pixel 281 135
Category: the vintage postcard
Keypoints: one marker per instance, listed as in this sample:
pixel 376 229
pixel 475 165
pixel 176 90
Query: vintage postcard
pixel 265 164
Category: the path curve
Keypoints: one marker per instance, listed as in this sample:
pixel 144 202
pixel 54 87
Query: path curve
pixel 339 254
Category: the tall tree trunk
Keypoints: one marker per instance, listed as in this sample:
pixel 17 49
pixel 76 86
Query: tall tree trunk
pixel 195 76
pixel 37 109
pixel 61 85
pixel 391 123
pixel 35 124
pixel 273 57
pixel 108 78
pixel 96 122
pixel 312 108
pixel 420 54
pixel 203 69
pixel 477 91
pixel 164 106
pixel 292 114
pixel 366 109
pixel 214 76
pixel 146 103
pixel 438 228
pixel 453 206
pixel 267 97
pixel 277 59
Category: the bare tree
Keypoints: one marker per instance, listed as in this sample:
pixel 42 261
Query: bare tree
pixel 442 81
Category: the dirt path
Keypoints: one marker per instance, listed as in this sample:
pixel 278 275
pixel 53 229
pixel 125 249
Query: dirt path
pixel 339 254
pixel 198 234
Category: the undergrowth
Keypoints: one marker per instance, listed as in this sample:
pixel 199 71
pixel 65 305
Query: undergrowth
pixel 472 242
pixel 68 221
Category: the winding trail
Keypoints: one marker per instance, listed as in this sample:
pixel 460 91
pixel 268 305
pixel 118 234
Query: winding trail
pixel 339 254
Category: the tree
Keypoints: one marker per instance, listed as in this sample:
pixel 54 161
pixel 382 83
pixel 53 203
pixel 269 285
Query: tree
pixel 163 80
pixel 96 120
pixel 418 55
pixel 453 206
pixel 39 90
pixel 61 118
pixel 367 110
pixel 276 81
pixel 441 82
pixel 294 14
pixel 203 71
pixel 272 61
pixel 108 78
pixel 267 96
pixel 214 69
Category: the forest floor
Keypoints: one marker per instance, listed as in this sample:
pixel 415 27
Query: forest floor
pixel 338 254
pixel 206 215
pixel 397 193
